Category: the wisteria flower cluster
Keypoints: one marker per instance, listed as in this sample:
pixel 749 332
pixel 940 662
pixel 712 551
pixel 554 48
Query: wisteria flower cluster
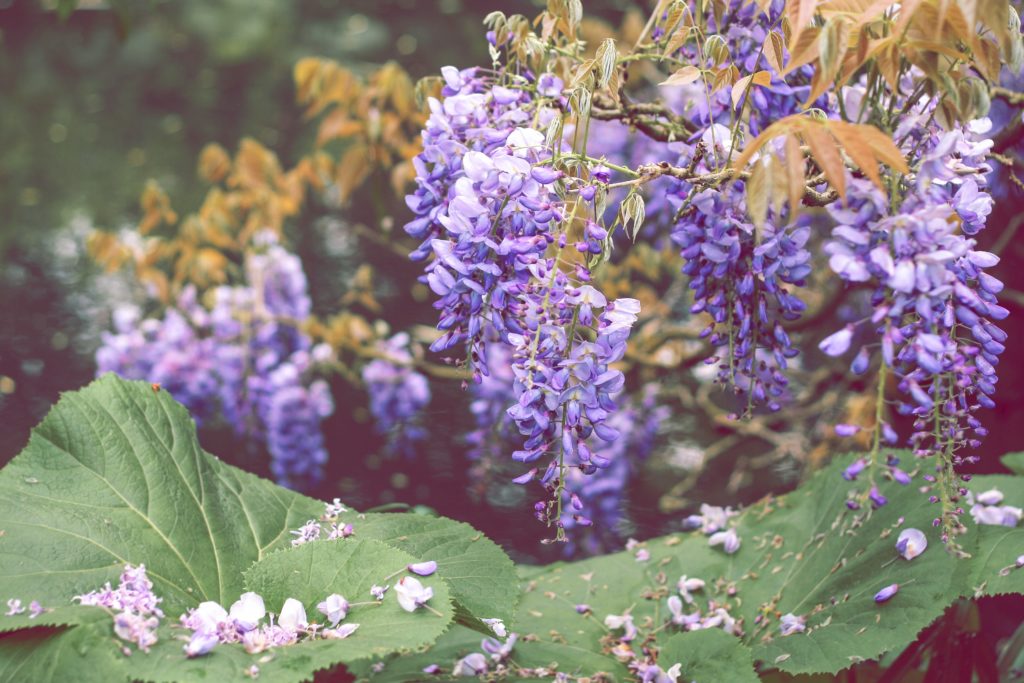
pixel 934 304
pixel 243 361
pixel 494 220
pixel 742 278
pixel 398 395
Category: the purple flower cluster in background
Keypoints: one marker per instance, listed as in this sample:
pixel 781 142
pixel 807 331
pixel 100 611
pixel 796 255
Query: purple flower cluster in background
pixel 242 362
pixel 398 395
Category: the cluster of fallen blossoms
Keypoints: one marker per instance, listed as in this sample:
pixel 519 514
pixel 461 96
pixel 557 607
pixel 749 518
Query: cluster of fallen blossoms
pixel 247 621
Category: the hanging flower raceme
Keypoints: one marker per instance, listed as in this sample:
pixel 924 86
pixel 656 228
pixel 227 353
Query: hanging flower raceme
pixel 398 395
pixel 934 303
pixel 742 278
pixel 242 362
pixel 494 218
pixel 485 210
pixel 565 388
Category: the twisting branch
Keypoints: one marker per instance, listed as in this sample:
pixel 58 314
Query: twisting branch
pixel 655 120
pixel 649 172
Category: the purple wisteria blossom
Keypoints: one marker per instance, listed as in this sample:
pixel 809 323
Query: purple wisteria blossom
pixel 243 362
pixel 398 395
pixel 743 279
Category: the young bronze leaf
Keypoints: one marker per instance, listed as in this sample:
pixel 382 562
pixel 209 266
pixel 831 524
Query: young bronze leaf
pixel 794 173
pixel 780 127
pixel 757 192
pixel 883 147
pixel 676 41
pixel 775 51
pixel 675 15
pixel 833 44
pixel 803 49
pixel 762 78
pixel 826 154
pixel 996 15
pixel 688 74
pixel 862 11
pixel 800 13
pixel 857 148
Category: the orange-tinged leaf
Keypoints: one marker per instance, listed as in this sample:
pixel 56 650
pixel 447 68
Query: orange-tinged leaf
pixel 352 170
pixel 794 173
pixel 214 163
pixel 582 71
pixel 883 147
pixel 156 208
pixel 727 75
pixel 825 154
pixel 800 13
pixel 337 124
pixel 780 127
pixel 778 189
pixel 908 10
pixel 862 11
pixel 757 193
pixel 684 76
pixel 762 78
pixel 857 148
pixel 803 49
pixel 996 15
pixel 677 40
pixel 774 51
pixel 989 59
pixel 675 15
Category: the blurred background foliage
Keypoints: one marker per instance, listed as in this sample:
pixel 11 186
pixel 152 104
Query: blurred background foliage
pixel 99 100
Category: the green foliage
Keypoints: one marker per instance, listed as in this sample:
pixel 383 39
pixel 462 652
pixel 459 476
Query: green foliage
pixel 313 571
pixel 993 568
pixel 114 475
pixel 708 655
pixel 804 553
pixel 482 578
pixel 85 653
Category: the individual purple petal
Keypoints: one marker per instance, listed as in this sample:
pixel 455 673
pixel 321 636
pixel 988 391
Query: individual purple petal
pixel 846 429
pixel 423 568
pixel 837 343
pixel 911 543
pixel 886 593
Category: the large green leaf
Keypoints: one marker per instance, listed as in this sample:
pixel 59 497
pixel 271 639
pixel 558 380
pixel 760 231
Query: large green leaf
pixel 804 553
pixel 1013 462
pixel 87 653
pixel 810 556
pixel 708 655
pixel 482 578
pixel 313 571
pixel 115 475
pixel 455 643
pixel 993 566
